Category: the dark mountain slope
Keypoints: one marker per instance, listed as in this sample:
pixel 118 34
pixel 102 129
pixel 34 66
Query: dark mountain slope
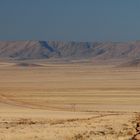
pixel 26 50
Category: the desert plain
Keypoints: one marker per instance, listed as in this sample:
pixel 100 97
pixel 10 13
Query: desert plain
pixel 68 101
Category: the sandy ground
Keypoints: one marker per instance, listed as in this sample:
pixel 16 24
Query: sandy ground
pixel 68 102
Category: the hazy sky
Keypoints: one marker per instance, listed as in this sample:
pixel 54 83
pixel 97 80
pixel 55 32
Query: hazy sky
pixel 77 20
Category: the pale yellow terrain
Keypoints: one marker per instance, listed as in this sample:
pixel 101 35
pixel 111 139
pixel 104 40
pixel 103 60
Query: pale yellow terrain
pixel 74 101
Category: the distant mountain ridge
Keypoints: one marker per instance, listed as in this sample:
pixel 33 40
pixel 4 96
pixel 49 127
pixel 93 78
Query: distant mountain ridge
pixel 69 50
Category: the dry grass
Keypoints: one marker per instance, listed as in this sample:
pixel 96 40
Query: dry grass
pixel 68 101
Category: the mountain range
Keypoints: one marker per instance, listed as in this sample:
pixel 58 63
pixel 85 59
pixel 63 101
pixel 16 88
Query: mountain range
pixel 22 50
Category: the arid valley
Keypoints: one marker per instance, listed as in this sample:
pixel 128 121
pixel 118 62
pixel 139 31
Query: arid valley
pixel 68 101
pixel 69 69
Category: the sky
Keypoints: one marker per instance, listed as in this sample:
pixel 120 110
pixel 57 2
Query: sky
pixel 70 20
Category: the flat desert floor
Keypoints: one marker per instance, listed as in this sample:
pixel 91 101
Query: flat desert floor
pixel 74 101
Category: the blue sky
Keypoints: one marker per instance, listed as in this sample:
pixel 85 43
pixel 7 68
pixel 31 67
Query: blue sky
pixel 77 20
